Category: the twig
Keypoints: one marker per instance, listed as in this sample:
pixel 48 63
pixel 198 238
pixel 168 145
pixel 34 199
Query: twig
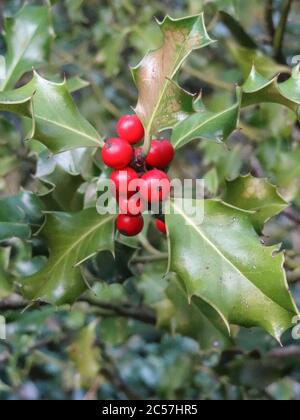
pixel 280 32
pixel 150 258
pixel 256 168
pixel 117 381
pixel 285 352
pixel 294 276
pixel 7 305
pixel 148 247
pixel 91 395
pixel 208 78
pixel 139 313
pixel 269 19
pixel 292 215
pixel 110 371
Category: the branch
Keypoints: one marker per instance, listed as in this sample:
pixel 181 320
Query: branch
pixel 15 302
pixel 150 258
pixel 139 313
pixel 113 376
pixel 294 276
pixel 111 372
pixel 280 32
pixel 285 352
pixel 269 19
pixel 292 215
pixel 208 78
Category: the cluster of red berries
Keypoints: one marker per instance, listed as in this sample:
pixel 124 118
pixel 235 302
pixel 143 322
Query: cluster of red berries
pixel 130 165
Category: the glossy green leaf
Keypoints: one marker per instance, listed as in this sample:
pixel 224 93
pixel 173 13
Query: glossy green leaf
pixel 223 262
pixel 12 222
pixel 72 238
pixel 76 83
pixel 161 102
pixel 256 195
pixel 206 125
pixel 257 89
pixel 28 38
pixel 59 178
pixel 17 213
pixel 285 169
pixel 18 101
pixel 227 162
pixel 56 121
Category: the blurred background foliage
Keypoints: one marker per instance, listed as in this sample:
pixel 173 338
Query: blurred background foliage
pixel 106 345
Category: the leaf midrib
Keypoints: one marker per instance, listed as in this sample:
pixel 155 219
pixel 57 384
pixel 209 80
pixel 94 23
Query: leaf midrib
pixel 167 81
pixel 76 243
pixel 214 116
pixel 68 128
pixel 206 239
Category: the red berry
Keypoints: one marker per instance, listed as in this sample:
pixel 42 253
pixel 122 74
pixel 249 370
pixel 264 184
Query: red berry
pixel 161 154
pixel 155 186
pixel 132 206
pixel 117 153
pixel 161 226
pixel 130 225
pixel 130 128
pixel 121 181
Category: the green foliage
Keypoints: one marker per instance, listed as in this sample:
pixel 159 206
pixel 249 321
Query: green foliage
pixel 28 37
pixel 256 195
pixel 72 239
pixel 257 89
pixel 140 327
pixel 56 122
pixel 225 265
pixel 161 102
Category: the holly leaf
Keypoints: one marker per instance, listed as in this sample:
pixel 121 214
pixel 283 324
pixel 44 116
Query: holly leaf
pixel 18 101
pixel 194 318
pixel 28 37
pixel 72 238
pixel 162 102
pixel 206 125
pixel 257 89
pixel 223 262
pixel 59 178
pixel 16 215
pixel 256 195
pixel 74 84
pixel 56 121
